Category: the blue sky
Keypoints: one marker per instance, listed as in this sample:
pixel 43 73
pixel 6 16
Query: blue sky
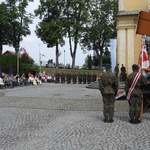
pixel 34 45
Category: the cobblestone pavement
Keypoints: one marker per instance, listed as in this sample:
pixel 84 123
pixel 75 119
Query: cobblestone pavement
pixel 66 117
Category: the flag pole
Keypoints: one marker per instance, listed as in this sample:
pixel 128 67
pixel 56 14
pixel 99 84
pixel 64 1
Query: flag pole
pixel 141 112
pixel 39 58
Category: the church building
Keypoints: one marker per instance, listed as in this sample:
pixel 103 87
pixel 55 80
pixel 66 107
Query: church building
pixel 128 41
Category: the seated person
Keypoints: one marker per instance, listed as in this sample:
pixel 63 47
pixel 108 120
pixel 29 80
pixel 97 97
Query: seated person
pixel 2 84
pixel 32 79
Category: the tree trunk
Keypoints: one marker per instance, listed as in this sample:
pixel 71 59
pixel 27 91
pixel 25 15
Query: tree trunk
pixel 1 48
pixel 57 56
pixel 73 61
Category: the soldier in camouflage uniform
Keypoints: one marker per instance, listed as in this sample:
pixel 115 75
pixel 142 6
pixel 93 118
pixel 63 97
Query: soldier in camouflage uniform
pixel 108 85
pixel 84 78
pixel 68 78
pixel 74 78
pixel 62 76
pixel 136 95
pixel 57 76
pixel 80 78
pixel 89 78
pixel 94 77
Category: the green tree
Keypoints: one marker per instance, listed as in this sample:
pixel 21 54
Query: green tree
pixel 101 27
pixel 4 26
pixel 19 20
pixel 75 17
pixel 50 29
pixel 88 61
pixel 26 64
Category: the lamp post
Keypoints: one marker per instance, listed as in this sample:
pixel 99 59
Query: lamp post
pixel 64 58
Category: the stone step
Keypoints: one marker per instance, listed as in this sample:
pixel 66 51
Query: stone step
pixel 95 85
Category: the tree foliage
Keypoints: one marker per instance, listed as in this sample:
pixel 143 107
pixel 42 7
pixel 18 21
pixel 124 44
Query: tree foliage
pixel 88 61
pixel 50 29
pixel 26 64
pixel 101 27
pixel 17 22
pixel 4 26
pixel 75 18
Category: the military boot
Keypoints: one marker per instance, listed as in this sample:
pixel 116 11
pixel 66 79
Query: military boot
pixel 132 120
pixel 137 121
pixel 106 119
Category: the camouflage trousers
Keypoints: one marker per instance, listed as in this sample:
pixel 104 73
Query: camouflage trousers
pixel 108 105
pixel 134 107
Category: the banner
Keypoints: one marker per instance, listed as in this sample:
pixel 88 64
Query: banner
pixel 143 61
pixel 143 26
pixel 121 94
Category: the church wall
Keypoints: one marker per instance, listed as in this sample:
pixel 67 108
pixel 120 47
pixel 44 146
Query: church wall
pixel 131 5
pixel 128 42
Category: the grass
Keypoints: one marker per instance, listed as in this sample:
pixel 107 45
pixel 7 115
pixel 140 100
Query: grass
pixel 51 71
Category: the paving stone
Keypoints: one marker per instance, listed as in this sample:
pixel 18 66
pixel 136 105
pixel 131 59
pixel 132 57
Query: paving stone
pixel 66 117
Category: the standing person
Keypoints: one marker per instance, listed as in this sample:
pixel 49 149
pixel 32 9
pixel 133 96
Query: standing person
pixel 123 73
pixel 117 70
pixel 134 85
pixel 108 85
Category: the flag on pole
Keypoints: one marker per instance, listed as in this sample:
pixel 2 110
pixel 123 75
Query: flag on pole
pixel 24 50
pixel 21 49
pixel 143 61
pixel 43 55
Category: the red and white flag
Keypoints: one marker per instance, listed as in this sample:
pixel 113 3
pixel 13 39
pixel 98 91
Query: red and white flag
pixel 143 61
pixel 24 50
pixel 120 93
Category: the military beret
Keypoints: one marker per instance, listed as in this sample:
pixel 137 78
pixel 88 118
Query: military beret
pixel 135 66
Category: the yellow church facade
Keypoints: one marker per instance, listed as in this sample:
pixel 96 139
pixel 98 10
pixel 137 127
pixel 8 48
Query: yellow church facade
pixel 128 42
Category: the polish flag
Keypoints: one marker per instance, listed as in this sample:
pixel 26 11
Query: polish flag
pixel 120 93
pixel 143 61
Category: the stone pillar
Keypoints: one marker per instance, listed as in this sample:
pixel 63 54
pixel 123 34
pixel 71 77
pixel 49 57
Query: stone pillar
pixel 121 5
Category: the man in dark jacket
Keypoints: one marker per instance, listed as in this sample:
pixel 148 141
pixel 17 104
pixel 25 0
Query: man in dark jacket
pixel 108 85
pixel 134 85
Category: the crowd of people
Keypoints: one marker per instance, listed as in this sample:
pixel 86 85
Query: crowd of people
pixel 10 81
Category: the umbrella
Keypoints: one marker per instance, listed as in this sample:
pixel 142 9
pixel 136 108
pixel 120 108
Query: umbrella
pixel 11 71
pixel 0 71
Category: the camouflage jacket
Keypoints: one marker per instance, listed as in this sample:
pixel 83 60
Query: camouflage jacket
pixel 137 91
pixel 108 83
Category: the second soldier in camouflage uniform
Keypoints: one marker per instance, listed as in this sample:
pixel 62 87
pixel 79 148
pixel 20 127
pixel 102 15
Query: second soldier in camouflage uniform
pixel 108 85
pixel 136 95
pixel 74 78
pixel 62 76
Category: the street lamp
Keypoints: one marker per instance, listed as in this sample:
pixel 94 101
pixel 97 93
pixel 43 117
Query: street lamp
pixel 64 58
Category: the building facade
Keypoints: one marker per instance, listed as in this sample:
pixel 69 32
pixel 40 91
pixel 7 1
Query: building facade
pixel 128 42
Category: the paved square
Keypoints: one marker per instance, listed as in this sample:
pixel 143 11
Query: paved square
pixel 66 117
